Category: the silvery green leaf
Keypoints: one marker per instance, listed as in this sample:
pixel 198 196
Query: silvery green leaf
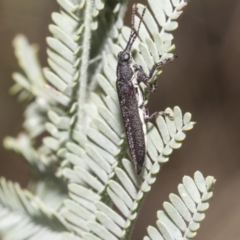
pixel 207 196
pixel 61 62
pixel 163 129
pixel 101 231
pixel 109 224
pixel 111 120
pixel 118 189
pixel 75 160
pixel 170 26
pixel 165 231
pixel 156 138
pixel 154 233
pixel 67 6
pixel 200 181
pixel 169 225
pixel 186 198
pixel 22 81
pixel 146 238
pixel 191 188
pixel 74 148
pixel 138 58
pixel 150 22
pixel 152 49
pixel 118 202
pixel 59 34
pixel 113 108
pixel 62 23
pixel 110 213
pixel 107 156
pixel 105 85
pixel 101 140
pixel 71 176
pixel 89 236
pixel 91 151
pixel 61 49
pixel 174 215
pixel 152 150
pixel 89 179
pixel 69 236
pixel 203 207
pixel 83 192
pixel 131 172
pixel 65 76
pixel 198 217
pixel 110 74
pixel 177 222
pixel 107 131
pixel 89 205
pixel 52 143
pixel 74 219
pixel 193 226
pixel 56 95
pixel 126 182
pixel 158 11
pixel 96 169
pixel 187 118
pixel 180 206
pixel 147 57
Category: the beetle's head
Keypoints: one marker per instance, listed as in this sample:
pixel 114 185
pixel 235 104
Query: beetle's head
pixel 124 57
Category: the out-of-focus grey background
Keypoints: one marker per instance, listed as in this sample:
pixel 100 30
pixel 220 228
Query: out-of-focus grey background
pixel 204 80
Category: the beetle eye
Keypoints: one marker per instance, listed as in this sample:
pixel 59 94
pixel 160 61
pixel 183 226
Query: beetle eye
pixel 126 57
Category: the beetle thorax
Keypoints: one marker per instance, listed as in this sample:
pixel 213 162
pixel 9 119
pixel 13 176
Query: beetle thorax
pixel 125 71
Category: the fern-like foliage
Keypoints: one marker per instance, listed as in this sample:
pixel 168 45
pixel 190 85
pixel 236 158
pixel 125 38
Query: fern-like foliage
pixel 84 185
pixel 182 215
pixel 23 215
pixel 127 190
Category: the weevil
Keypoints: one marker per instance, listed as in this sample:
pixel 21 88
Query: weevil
pixel 131 100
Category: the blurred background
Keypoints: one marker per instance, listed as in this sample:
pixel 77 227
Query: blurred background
pixel 204 80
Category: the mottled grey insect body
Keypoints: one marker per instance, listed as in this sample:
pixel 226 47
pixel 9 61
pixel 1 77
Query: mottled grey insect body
pixel 131 100
pixel 130 112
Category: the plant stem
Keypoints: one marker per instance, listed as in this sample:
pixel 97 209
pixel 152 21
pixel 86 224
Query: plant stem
pixel 85 57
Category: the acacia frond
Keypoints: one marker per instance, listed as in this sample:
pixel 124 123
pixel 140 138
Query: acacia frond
pixel 72 55
pixel 23 215
pixel 97 180
pixel 182 215
pixel 77 104
pixel 29 86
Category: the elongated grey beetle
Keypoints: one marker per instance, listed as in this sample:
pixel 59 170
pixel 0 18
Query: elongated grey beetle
pixel 131 100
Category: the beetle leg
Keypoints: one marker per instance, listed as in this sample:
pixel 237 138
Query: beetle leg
pixel 143 77
pixel 148 118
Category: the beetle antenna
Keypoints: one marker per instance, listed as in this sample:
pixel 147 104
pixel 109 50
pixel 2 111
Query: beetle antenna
pixel 134 32
pixel 134 8
pixel 141 19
